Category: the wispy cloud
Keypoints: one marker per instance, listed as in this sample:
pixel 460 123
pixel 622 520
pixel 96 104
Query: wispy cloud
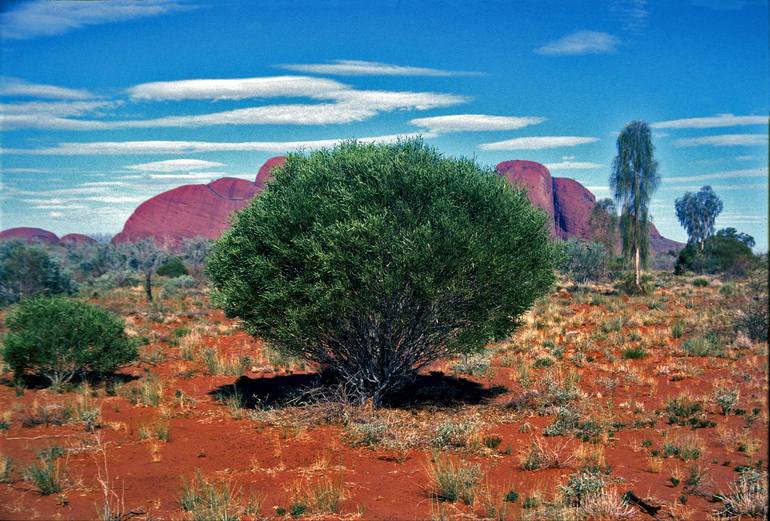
pixel 580 42
pixel 52 114
pixel 21 88
pixel 573 165
pixel 37 18
pixel 538 143
pixel 632 14
pixel 719 188
pixel 731 174
pixel 188 147
pixel 238 88
pixel 725 140
pixel 174 165
pixel 720 120
pixel 345 105
pixel 474 123
pixel 367 68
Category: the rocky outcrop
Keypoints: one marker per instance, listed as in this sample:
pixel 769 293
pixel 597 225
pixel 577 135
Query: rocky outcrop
pixel 29 235
pixel 567 202
pixel 205 210
pixel 194 210
pixel 77 238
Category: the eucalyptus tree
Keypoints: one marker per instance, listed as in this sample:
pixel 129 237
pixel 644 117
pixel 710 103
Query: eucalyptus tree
pixel 697 212
pixel 603 224
pixel 145 256
pixel 633 180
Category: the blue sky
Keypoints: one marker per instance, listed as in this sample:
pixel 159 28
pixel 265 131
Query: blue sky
pixel 104 104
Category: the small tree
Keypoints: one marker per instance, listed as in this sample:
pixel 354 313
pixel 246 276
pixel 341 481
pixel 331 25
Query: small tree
pixel 196 251
pixel 603 224
pixel 28 271
pixel 146 257
pixel 59 338
pixel 732 233
pixel 633 180
pixel 584 260
pixel 376 260
pixel 697 213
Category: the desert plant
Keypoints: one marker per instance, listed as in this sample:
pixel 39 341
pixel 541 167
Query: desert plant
pixel 707 345
pixel 145 256
pixel 454 480
pixel 752 319
pixel 29 271
pixel 582 484
pixel 376 260
pixel 697 212
pixel 583 260
pixel 172 267
pixel 60 338
pixel 47 476
pixel 633 180
pixel 726 398
pixel 747 496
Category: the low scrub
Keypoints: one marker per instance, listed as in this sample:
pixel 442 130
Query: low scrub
pixel 60 338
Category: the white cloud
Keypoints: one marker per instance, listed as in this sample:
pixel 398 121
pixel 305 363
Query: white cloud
pixel 725 140
pixel 238 88
pixel 538 143
pixel 52 114
pixel 720 120
pixel 573 165
pixel 632 14
pixel 580 42
pixel 174 165
pixel 598 188
pixel 188 147
pixel 47 18
pixel 731 174
pixel 367 68
pixel 21 88
pixel 346 105
pixel 746 158
pixel 474 123
pixel 192 175
pixel 720 188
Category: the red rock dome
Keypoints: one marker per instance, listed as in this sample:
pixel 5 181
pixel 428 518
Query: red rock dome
pixel 29 235
pixel 77 238
pixel 264 175
pixel 567 202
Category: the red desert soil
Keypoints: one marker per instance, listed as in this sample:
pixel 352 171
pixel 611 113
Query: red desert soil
pixel 274 453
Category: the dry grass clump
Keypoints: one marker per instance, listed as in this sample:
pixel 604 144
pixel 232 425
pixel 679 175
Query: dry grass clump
pixel 206 500
pixel 540 455
pixel 453 479
pixel 747 496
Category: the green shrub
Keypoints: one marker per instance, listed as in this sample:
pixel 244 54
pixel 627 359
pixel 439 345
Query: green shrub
pixel 59 338
pixel 583 260
pixel 700 282
pixel 707 345
pixel 172 267
pixel 376 260
pixel 753 317
pixel 720 254
pixel 29 271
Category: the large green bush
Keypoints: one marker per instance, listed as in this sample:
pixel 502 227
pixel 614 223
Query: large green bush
pixel 28 271
pixel 376 260
pixel 721 254
pixel 59 338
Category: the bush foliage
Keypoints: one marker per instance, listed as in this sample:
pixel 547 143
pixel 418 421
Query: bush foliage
pixel 59 338
pixel 375 260
pixel 722 253
pixel 28 271
pixel 172 267
pixel 584 260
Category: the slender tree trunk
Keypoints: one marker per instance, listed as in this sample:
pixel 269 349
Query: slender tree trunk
pixel 148 285
pixel 637 267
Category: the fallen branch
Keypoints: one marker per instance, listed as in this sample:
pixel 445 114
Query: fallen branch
pixel 633 498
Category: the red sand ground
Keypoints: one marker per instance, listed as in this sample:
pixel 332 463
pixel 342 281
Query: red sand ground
pixel 381 484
